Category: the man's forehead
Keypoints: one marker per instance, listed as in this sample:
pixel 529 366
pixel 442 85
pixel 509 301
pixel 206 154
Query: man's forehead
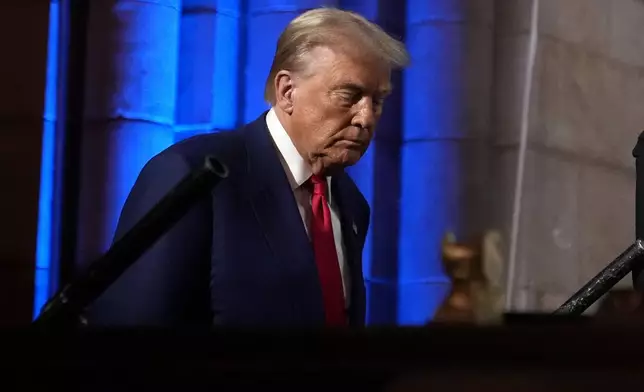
pixel 349 67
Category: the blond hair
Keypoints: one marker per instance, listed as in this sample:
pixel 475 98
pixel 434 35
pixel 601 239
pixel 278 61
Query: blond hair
pixel 328 27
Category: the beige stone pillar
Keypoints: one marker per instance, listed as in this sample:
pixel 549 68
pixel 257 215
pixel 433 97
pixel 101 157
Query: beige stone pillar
pixel 581 115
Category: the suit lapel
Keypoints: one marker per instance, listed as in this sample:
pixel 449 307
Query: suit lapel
pixel 276 210
pixel 343 194
pixel 345 200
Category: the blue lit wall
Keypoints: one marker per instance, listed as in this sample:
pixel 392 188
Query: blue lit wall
pixel 44 269
pixel 130 103
pixel 220 63
pixel 208 93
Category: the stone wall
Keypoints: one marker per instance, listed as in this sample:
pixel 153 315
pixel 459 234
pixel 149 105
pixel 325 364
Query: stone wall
pixel 583 113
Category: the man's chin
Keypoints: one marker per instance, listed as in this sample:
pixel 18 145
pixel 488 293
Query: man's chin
pixel 342 159
pixel 351 157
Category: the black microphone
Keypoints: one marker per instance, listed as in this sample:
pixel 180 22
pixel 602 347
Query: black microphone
pixel 65 308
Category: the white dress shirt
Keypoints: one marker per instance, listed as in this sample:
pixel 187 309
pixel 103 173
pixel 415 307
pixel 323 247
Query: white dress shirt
pixel 298 172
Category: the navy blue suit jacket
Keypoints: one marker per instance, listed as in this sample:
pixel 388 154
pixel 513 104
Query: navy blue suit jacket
pixel 240 258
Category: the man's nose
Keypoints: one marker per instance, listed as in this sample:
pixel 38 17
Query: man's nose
pixel 366 115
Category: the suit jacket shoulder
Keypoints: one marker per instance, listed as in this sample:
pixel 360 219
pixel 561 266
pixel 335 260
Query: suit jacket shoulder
pixel 227 146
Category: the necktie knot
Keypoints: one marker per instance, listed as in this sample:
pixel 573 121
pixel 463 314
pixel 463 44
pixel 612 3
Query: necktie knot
pixel 319 185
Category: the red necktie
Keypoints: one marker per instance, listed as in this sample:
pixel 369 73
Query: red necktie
pixel 326 256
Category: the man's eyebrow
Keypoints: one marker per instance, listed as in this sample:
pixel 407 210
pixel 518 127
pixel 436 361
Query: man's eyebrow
pixel 351 86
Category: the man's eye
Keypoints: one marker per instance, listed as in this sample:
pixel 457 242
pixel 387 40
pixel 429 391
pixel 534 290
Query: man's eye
pixel 344 99
pixel 348 96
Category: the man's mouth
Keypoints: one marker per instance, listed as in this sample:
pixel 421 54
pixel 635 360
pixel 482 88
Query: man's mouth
pixel 351 143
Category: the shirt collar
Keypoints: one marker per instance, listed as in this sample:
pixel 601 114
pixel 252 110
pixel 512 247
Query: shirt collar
pixel 297 169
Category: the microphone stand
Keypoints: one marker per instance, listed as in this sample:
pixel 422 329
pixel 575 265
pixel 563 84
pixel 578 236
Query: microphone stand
pixel 603 281
pixel 631 260
pixel 65 308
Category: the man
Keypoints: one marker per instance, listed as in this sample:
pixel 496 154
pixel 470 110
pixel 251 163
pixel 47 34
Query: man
pixel 280 241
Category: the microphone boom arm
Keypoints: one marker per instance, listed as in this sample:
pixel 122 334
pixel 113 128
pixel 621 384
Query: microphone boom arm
pixel 66 306
pixel 603 281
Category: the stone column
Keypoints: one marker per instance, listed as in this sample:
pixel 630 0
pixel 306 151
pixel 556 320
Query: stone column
pixel 23 70
pixel 208 74
pixel 581 118
pixel 447 94
pixel 130 104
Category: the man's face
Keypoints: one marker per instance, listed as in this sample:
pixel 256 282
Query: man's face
pixel 335 107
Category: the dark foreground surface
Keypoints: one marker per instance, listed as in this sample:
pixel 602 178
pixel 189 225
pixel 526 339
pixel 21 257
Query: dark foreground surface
pixel 525 354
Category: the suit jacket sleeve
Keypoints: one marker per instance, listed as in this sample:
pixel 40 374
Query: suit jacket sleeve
pixel 169 284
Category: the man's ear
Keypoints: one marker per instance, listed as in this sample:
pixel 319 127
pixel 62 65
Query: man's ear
pixel 284 85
